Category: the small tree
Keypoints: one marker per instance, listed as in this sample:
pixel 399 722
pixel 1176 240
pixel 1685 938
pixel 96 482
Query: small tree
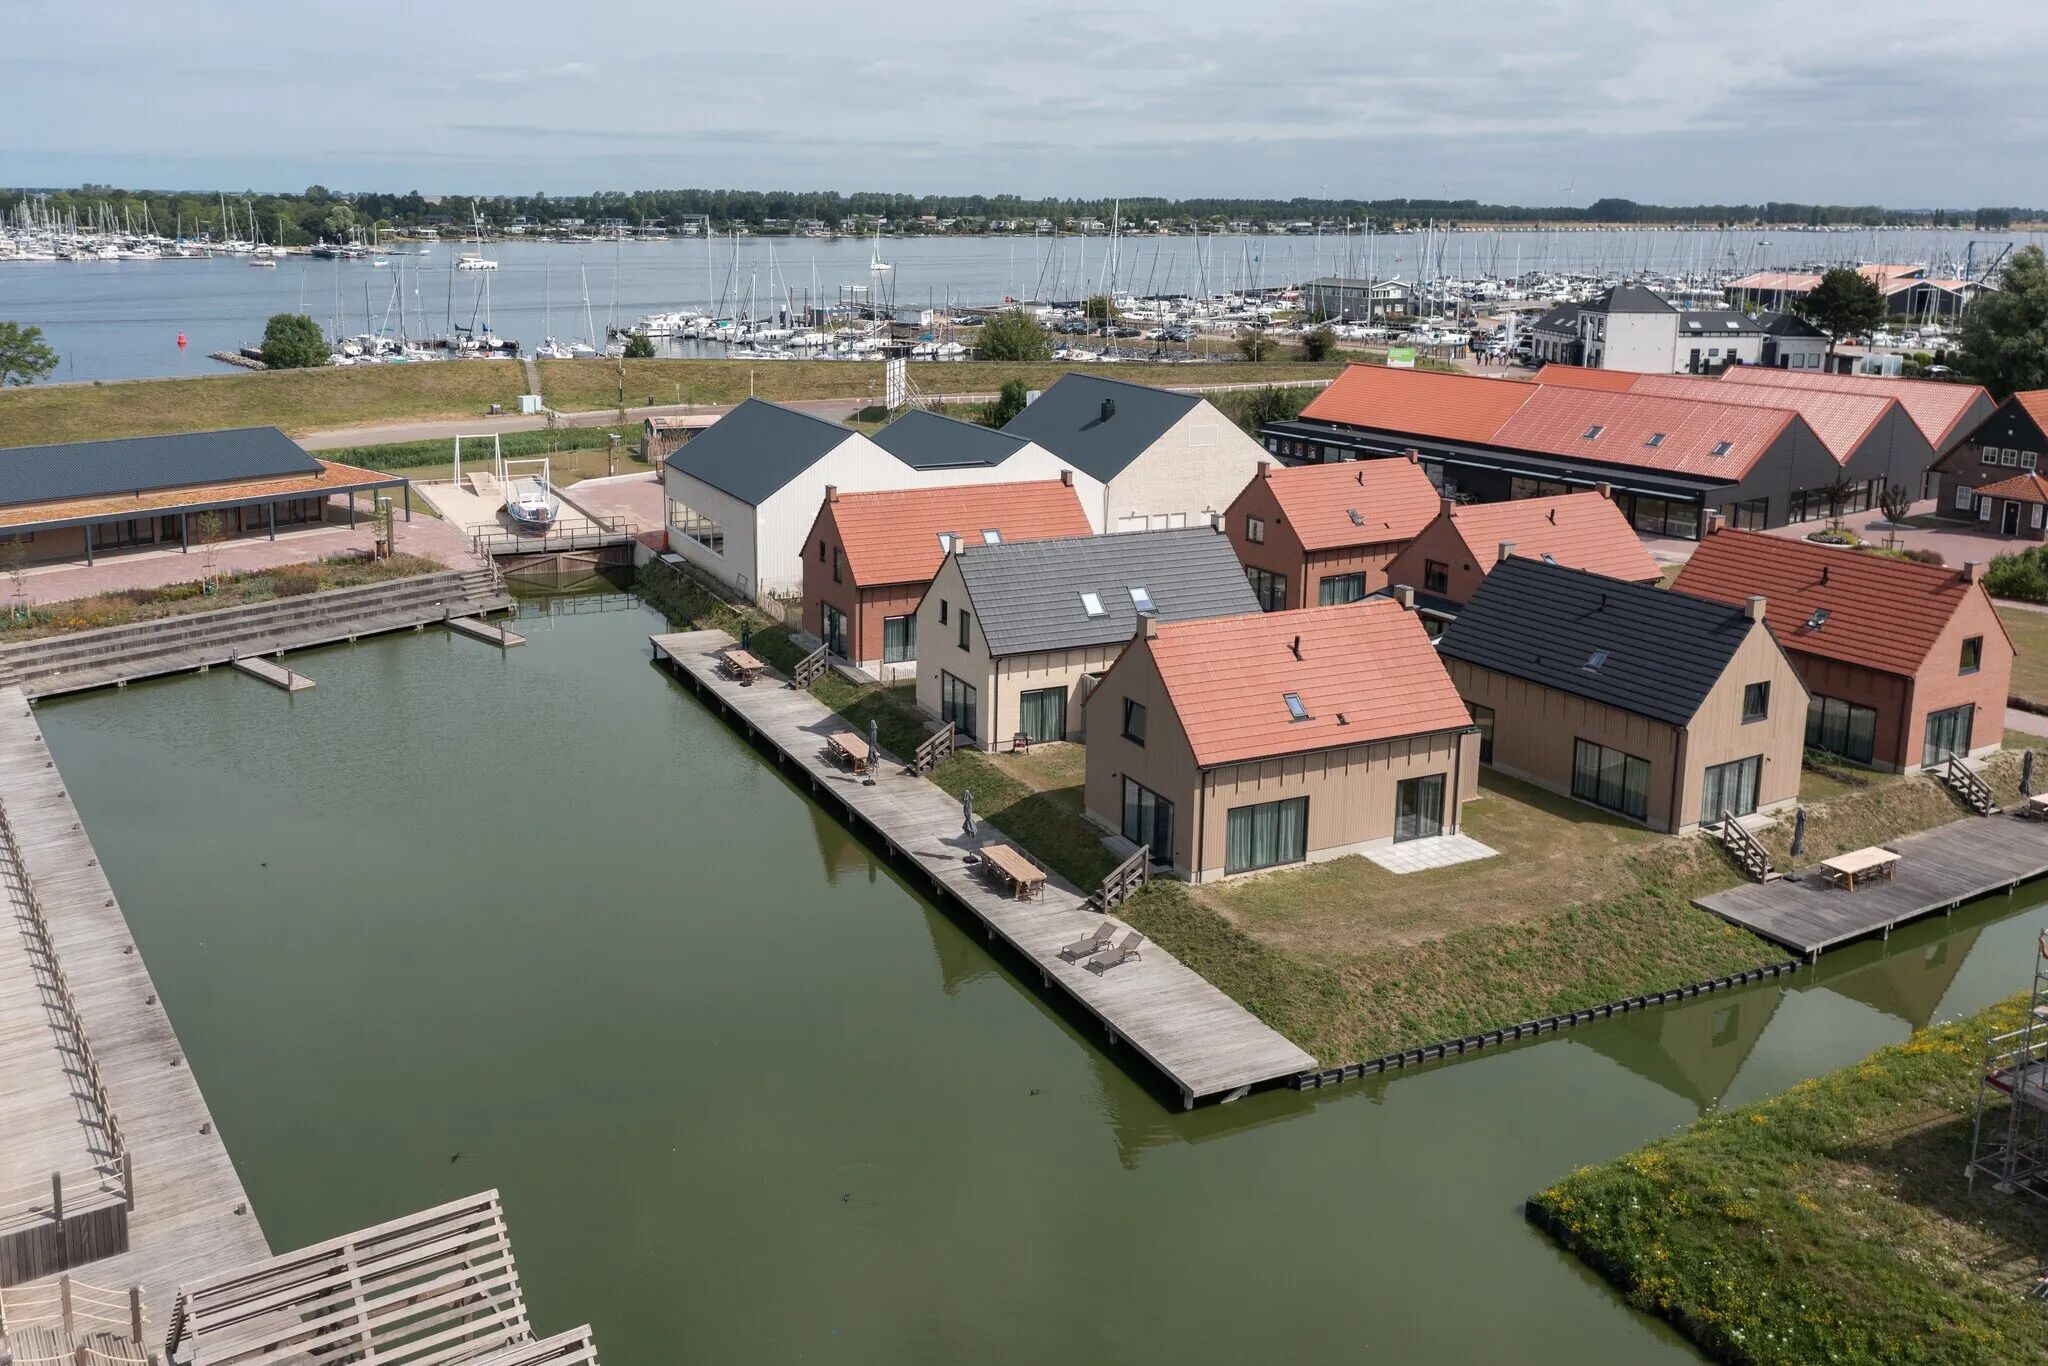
pixel 14 561
pixel 1256 345
pixel 1014 335
pixel 1897 506
pixel 24 358
pixel 1842 305
pixel 1839 489
pixel 2005 330
pixel 292 341
pixel 211 531
pixel 1318 343
pixel 1269 404
pixel 1100 308
pixel 1006 405
pixel 639 346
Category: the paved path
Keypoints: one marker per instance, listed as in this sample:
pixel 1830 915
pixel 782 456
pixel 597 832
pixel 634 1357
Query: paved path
pixel 2026 722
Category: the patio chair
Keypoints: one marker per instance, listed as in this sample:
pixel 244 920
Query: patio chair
pixel 1122 953
pixel 1088 947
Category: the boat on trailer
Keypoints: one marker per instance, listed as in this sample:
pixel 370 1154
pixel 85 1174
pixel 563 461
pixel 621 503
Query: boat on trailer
pixel 530 501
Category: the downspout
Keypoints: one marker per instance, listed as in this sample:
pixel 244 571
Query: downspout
pixel 1201 822
pixel 1678 783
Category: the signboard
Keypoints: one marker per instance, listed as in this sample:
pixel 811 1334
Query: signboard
pixel 1401 358
pixel 895 384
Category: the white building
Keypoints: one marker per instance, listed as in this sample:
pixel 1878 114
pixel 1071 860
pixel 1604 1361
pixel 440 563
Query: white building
pixel 1632 328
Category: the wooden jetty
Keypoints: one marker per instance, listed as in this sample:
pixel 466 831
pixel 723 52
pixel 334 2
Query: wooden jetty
pixel 275 674
pixel 191 1216
pixel 1202 1041
pixel 478 629
pixel 1938 870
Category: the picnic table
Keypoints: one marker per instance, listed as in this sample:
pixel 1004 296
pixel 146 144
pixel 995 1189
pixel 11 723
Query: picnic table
pixel 1859 865
pixel 1007 865
pixel 2036 807
pixel 742 665
pixel 850 749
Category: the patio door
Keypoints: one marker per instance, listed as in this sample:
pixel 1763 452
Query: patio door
pixel 1419 808
pixel 1730 789
pixel 1148 821
pixel 833 622
pixel 1042 715
pixel 1948 734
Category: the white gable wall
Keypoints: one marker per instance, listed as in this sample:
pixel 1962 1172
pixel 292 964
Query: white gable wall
pixel 1194 470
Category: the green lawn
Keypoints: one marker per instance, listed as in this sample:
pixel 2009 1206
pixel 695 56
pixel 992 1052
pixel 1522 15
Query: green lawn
pixel 2029 632
pixel 1828 1224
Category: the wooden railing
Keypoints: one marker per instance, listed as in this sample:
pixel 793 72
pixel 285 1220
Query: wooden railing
pixel 935 750
pixel 810 668
pixel 488 540
pixel 75 1309
pixel 1124 880
pixel 1975 792
pixel 1747 849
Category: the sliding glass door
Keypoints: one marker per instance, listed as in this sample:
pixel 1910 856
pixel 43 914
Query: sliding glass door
pixel 1730 789
pixel 1948 734
pixel 960 704
pixel 1266 835
pixel 1148 820
pixel 1042 714
pixel 1419 808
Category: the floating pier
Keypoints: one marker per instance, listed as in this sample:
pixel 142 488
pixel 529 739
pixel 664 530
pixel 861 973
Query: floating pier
pixel 477 629
pixel 1204 1043
pixel 276 675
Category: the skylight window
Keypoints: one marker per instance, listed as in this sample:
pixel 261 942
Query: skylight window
pixel 946 542
pixel 991 536
pixel 1818 619
pixel 1722 448
pixel 1356 520
pixel 1593 431
pixel 1295 710
pixel 1092 605
pixel 1549 558
pixel 1656 440
pixel 1141 599
pixel 1597 660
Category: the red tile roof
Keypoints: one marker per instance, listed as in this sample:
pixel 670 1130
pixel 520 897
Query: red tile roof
pixel 1555 421
pixel 1579 377
pixel 1840 420
pixel 1935 406
pixel 1883 613
pixel 2034 402
pixel 1576 530
pixel 2021 488
pixel 1423 402
pixel 1367 672
pixel 1393 499
pixel 893 536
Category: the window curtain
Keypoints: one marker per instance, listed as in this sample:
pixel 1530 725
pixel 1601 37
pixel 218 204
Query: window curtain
pixel 1043 714
pixel 899 640
pixel 1266 835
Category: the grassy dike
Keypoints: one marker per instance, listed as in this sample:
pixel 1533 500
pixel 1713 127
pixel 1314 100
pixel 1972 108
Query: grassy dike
pixel 1827 1224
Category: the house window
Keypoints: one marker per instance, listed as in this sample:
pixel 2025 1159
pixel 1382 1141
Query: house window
pixel 1142 600
pixel 1750 514
pixel 1042 714
pixel 1730 789
pixel 1134 721
pixel 832 626
pixel 1948 734
pixel 1482 717
pixel 2028 459
pixel 1841 728
pixel 697 527
pixel 1266 835
pixel 1255 530
pixel 964 615
pixel 1988 454
pixel 1091 604
pixel 1148 821
pixel 1756 702
pixel 1338 589
pixel 942 611
pixel 838 564
pixel 1973 654
pixel 991 536
pixel 1295 710
pixel 1607 777
pixel 1269 588
pixel 2008 456
pixel 1965 495
pixel 899 640
pixel 959 703
pixel 821 552
pixel 1436 576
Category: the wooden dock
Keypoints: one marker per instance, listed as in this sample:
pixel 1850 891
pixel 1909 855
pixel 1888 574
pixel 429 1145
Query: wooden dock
pixel 191 1215
pixel 1937 870
pixel 276 675
pixel 478 629
pixel 1203 1042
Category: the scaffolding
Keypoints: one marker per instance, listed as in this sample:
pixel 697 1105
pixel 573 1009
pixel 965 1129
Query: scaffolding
pixel 2009 1140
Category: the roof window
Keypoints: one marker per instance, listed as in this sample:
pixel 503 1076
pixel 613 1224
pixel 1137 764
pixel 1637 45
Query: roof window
pixel 1141 599
pixel 1722 448
pixel 1092 605
pixel 1356 520
pixel 1596 660
pixel 1818 619
pixel 1593 431
pixel 1656 440
pixel 1295 710
pixel 1549 558
pixel 991 536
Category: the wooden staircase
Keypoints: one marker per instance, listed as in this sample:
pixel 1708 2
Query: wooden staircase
pixel 1968 785
pixel 810 668
pixel 1747 850
pixel 1123 882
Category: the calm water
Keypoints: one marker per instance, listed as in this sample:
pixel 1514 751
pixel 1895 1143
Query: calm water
pixel 121 319
pixel 749 1098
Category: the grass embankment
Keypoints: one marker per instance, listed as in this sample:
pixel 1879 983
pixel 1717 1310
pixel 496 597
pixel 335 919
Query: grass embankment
pixel 2029 632
pixel 1829 1223
pixel 229 590
pixel 1351 961
pixel 298 401
pixel 573 453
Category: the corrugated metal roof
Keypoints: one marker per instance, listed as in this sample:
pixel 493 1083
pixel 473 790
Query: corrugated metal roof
pixel 893 536
pixel 1365 671
pixel 137 464
pixel 1659 653
pixel 757 448
pixel 928 441
pixel 1882 613
pixel 1578 530
pixel 1419 402
pixel 1028 595
pixel 1099 425
pixel 1357 502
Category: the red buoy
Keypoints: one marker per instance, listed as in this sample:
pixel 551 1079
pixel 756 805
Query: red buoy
pixel 181 341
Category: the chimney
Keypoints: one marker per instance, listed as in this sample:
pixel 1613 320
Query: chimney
pixel 1265 469
pixel 1604 490
pixel 1067 478
pixel 1108 409
pixel 1507 551
pixel 1449 506
pixel 1753 607
pixel 831 493
pixel 1148 626
pixel 1972 571
pixel 1404 595
pixel 1710 522
pixel 1414 457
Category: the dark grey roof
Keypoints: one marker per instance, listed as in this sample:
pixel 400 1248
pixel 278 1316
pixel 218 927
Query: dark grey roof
pixel 1544 623
pixel 1716 322
pixel 927 441
pixel 1788 325
pixel 1629 299
pixel 1563 318
pixel 1028 593
pixel 1069 420
pixel 757 448
pixel 135 464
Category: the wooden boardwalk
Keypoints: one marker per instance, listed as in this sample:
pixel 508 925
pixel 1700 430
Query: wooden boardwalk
pixel 191 1216
pixel 1203 1042
pixel 1938 870
pixel 276 675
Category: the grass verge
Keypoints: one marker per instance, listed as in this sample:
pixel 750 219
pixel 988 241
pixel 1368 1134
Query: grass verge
pixel 2029 632
pixel 1829 1223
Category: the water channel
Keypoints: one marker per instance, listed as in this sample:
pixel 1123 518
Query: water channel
pixel 458 919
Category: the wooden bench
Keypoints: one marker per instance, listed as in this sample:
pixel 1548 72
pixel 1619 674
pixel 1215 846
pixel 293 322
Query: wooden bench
pixel 1009 869
pixel 1859 865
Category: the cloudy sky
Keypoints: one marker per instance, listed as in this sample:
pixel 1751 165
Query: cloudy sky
pixel 1899 102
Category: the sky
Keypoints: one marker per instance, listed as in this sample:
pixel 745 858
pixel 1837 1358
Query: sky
pixel 1896 102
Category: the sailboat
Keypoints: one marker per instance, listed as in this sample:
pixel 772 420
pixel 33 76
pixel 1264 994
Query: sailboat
pixel 549 348
pixel 586 347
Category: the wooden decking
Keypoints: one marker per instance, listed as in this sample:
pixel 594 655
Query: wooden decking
pixel 191 1215
pixel 1203 1042
pixel 1937 870
pixel 276 675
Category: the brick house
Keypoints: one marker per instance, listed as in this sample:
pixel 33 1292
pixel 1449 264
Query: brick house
pixel 1905 664
pixel 1322 535
pixel 2007 443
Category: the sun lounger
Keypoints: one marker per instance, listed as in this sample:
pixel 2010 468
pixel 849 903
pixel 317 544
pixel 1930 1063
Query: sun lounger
pixel 1104 936
pixel 1122 953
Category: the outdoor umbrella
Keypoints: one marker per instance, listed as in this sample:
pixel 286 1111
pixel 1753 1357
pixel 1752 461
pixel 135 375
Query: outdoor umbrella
pixel 967 812
pixel 1799 832
pixel 2027 775
pixel 874 748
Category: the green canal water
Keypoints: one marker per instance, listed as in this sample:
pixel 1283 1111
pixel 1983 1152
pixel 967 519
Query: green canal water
pixel 456 919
